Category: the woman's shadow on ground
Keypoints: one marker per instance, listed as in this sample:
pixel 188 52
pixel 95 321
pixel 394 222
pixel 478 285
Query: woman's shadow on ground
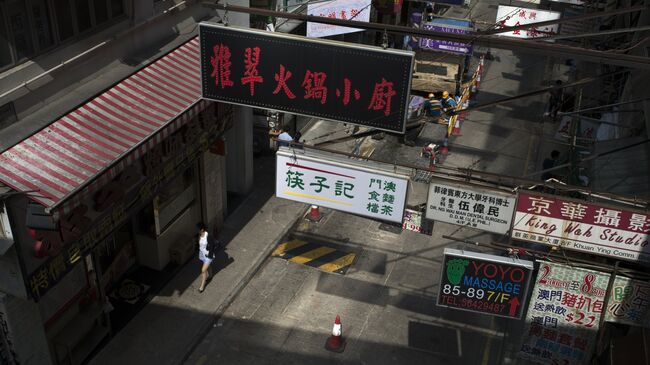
pixel 221 261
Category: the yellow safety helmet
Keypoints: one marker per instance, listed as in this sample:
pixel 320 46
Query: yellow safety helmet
pixel 431 95
pixel 445 94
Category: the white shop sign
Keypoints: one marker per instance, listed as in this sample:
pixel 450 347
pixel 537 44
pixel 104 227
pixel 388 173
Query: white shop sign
pixel 357 10
pixel 346 186
pixel 511 16
pixel 466 205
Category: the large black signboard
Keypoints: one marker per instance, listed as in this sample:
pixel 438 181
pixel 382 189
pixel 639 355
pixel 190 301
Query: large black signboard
pixel 484 283
pixel 356 84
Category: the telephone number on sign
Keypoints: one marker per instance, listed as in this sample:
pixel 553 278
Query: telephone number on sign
pixel 481 306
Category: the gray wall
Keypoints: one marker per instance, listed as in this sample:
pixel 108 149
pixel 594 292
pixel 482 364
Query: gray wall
pixel 128 46
pixel 239 151
pixel 25 330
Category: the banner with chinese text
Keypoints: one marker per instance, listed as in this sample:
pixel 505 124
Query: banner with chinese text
pixel 466 205
pixel 337 81
pixel 357 10
pixel 483 283
pixel 581 226
pixel 563 314
pixel 512 16
pixel 629 302
pixel 349 188
pixel 448 26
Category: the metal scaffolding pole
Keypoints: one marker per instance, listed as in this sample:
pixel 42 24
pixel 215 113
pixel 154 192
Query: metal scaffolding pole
pixel 488 41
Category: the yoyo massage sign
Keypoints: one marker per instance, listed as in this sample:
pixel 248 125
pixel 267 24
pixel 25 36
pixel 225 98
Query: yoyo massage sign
pixel 484 283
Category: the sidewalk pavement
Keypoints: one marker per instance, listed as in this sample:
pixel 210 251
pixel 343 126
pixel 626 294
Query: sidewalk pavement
pixel 169 326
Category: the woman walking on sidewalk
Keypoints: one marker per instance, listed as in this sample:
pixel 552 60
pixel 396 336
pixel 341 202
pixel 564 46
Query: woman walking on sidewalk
pixel 204 255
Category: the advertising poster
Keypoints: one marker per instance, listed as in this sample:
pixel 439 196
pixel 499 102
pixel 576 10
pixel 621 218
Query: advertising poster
pixel 581 226
pixel 331 80
pixel 483 283
pixel 448 26
pixel 563 314
pixel 345 187
pixel 512 16
pixel 466 205
pixel 629 302
pixel 357 10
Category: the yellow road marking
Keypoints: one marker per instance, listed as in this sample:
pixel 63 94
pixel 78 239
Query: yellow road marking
pixel 287 246
pixel 317 198
pixel 311 255
pixel 339 263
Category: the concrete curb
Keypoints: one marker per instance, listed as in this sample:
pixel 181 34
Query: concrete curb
pixel 255 268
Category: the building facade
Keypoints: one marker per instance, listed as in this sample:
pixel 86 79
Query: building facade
pixel 110 157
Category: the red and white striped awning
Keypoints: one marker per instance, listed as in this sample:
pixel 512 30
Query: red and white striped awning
pixel 87 147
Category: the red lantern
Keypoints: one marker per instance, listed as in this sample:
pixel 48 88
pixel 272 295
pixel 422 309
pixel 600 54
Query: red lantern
pixel 46 243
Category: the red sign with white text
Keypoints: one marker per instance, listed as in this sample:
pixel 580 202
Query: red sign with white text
pixel 582 226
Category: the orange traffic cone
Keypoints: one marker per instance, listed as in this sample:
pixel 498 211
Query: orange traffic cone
pixel 314 214
pixel 456 130
pixel 335 342
pixel 445 146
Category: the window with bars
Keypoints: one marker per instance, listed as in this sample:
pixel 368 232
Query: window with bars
pixel 30 27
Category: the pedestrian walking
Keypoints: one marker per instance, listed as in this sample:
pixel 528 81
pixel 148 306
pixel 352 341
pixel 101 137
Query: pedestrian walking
pixel 207 251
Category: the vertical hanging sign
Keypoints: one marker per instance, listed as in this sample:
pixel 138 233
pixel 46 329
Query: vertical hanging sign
pixel 629 302
pixel 563 314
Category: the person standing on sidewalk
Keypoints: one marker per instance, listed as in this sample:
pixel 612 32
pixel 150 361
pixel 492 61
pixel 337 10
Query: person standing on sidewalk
pixel 448 101
pixel 550 163
pixel 285 139
pixel 433 107
pixel 204 255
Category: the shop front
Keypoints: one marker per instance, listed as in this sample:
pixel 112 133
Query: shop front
pixel 106 203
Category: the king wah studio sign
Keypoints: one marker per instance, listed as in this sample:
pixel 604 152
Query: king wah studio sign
pixel 581 226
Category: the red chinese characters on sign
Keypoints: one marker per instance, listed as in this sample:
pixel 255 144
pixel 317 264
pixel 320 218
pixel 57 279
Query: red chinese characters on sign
pixel 251 74
pixel 347 85
pixel 314 84
pixel 282 78
pixel 583 226
pixel 382 96
pixel 564 314
pixel 221 66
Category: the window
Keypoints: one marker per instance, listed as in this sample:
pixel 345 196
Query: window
pixel 19 28
pixel 101 11
pixel 28 27
pixel 42 28
pixel 5 49
pixel 117 8
pixel 64 19
pixel 83 15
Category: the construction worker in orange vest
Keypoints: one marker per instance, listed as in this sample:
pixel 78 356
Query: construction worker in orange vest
pixel 448 101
